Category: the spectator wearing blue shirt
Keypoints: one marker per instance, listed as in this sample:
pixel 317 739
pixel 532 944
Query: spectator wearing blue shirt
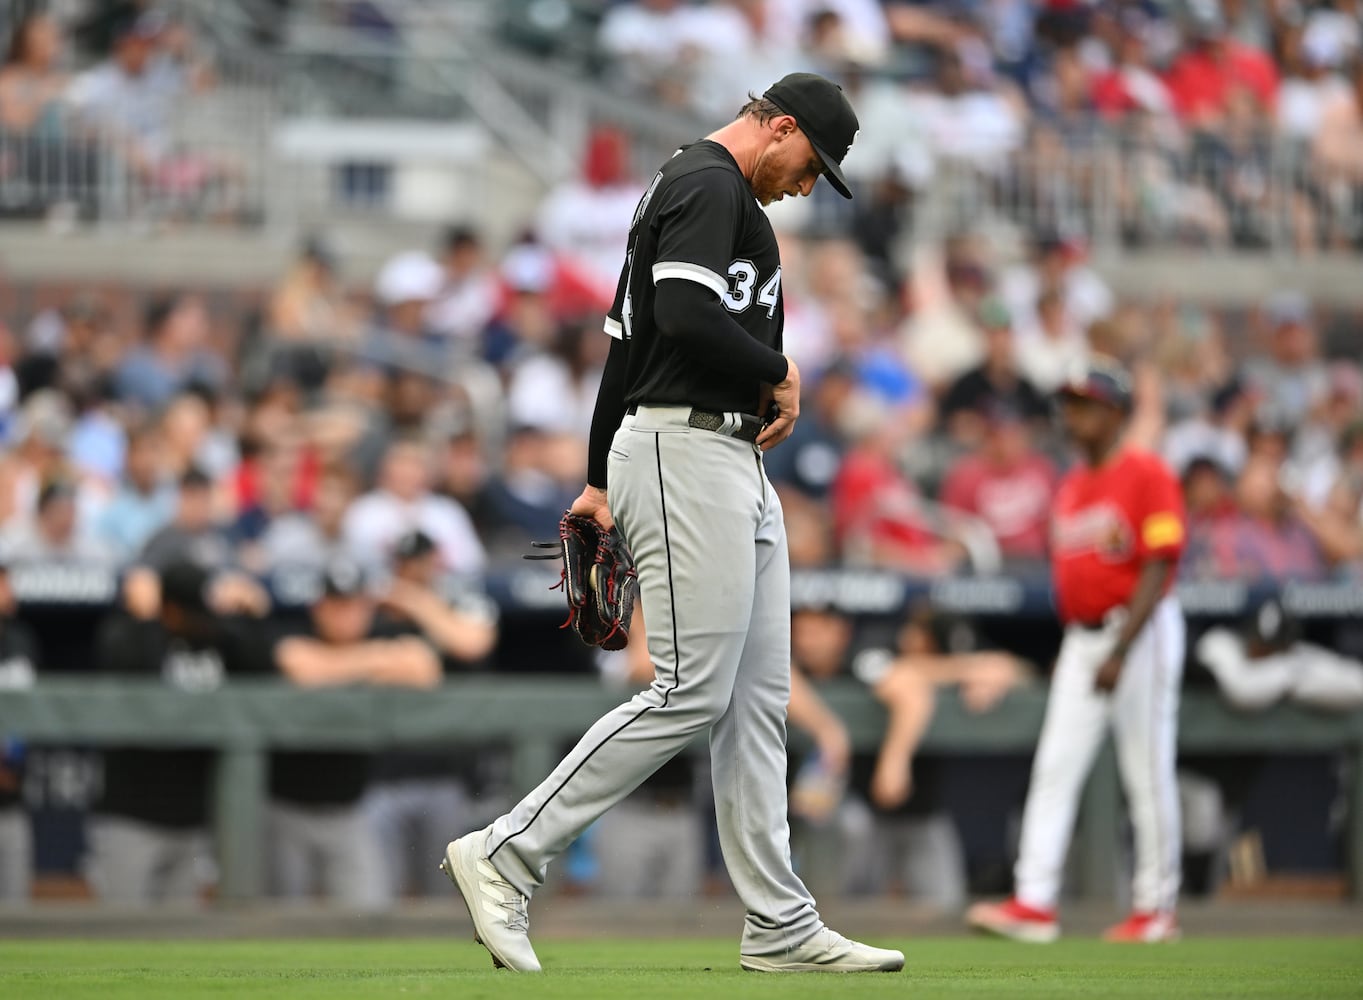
pixel 146 500
pixel 174 356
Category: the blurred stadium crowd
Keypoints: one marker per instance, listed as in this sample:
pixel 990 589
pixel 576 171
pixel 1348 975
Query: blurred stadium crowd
pixel 1221 122
pixel 392 444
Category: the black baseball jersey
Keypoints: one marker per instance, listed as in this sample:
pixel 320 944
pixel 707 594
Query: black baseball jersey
pixel 698 221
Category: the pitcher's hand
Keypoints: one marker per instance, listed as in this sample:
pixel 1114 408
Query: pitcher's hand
pixel 592 503
pixel 786 395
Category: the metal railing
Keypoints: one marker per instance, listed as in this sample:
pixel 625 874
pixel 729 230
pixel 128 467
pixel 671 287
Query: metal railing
pixel 1125 193
pixel 1123 190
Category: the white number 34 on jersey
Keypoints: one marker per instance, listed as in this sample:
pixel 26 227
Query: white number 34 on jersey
pixel 743 279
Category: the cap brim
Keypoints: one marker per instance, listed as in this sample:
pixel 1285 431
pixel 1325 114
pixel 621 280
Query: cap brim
pixel 1070 392
pixel 832 170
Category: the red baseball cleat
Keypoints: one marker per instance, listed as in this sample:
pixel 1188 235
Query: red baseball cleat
pixel 1014 920
pixel 1145 928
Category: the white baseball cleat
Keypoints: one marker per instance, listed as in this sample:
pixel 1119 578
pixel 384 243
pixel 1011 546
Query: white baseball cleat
pixel 501 921
pixel 827 951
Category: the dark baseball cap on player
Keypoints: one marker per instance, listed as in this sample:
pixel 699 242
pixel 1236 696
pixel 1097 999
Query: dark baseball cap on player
pixel 413 545
pixel 824 115
pixel 343 577
pixel 184 584
pixel 1100 379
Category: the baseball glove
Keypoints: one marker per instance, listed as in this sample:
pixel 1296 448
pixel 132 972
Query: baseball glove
pixel 597 578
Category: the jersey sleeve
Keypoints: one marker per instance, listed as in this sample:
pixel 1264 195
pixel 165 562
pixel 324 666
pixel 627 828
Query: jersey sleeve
pixel 696 224
pixel 1162 532
pixel 614 325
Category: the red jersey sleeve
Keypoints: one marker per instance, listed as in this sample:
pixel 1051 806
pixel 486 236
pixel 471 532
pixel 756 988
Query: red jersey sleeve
pixel 1162 528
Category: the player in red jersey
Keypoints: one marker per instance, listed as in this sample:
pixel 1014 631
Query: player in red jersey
pixel 1117 533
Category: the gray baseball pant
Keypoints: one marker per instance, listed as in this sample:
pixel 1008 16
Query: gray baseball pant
pixel 411 820
pixel 709 541
pixel 135 862
pixel 16 856
pixel 331 848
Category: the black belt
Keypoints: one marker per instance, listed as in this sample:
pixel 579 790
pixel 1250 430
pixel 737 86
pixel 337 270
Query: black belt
pixel 746 428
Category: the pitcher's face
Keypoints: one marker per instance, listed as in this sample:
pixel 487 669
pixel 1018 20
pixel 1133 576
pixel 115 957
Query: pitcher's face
pixel 788 166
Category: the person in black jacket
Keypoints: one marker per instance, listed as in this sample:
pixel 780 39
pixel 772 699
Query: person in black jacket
pixel 148 837
pixel 317 835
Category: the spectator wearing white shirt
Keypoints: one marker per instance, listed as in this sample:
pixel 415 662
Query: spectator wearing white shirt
pixel 132 94
pixel 974 121
pixel 403 502
pixel 645 37
pixel 1052 345
pixel 586 221
pixel 864 30
pixel 741 50
pixel 556 390
pixel 467 299
pixel 1305 90
pixel 1057 263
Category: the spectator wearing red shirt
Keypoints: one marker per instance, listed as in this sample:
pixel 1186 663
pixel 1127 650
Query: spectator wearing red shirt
pixel 1206 493
pixel 1265 540
pixel 1213 66
pixel 878 514
pixel 1008 485
pixel 1131 86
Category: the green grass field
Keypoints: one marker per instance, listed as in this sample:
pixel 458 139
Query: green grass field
pixel 642 970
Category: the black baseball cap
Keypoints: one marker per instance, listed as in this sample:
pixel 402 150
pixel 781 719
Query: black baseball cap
pixel 343 577
pixel 412 545
pixel 1101 379
pixel 824 115
pixel 184 584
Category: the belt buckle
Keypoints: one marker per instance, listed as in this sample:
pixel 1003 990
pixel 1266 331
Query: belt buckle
pixel 705 420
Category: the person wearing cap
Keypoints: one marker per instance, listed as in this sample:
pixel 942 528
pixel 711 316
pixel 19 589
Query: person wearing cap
pixel 695 389
pixel 149 833
pixel 318 838
pixel 1118 531
pixel 20 659
pixel 401 339
pixel 420 794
